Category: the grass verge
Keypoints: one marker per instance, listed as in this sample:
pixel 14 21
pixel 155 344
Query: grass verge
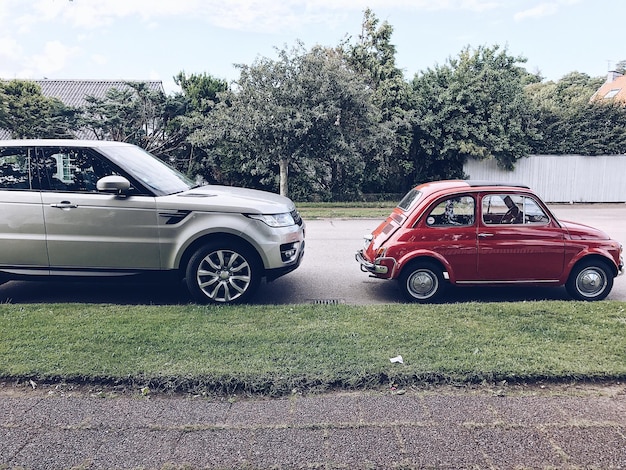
pixel 324 210
pixel 272 350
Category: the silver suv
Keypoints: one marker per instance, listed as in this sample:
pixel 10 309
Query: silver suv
pixel 71 208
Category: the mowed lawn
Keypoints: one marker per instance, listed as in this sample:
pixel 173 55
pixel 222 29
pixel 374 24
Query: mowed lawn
pixel 274 350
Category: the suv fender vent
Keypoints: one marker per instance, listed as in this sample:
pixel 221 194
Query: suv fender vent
pixel 174 217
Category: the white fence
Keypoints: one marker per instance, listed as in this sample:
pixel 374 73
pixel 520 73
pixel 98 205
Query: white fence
pixel 561 178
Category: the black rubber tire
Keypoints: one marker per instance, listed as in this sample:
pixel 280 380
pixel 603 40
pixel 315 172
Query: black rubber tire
pixel 223 273
pixel 590 280
pixel 422 281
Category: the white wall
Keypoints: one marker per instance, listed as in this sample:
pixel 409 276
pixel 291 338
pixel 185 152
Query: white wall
pixel 561 178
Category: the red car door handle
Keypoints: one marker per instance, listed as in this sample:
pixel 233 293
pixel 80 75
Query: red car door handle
pixel 485 235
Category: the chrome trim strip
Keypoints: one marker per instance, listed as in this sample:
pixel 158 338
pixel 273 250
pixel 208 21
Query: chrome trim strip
pixel 526 281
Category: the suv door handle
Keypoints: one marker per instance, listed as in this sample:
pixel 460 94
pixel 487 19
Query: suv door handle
pixel 64 205
pixel 485 235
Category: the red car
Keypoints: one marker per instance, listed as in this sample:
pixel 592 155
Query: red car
pixel 479 233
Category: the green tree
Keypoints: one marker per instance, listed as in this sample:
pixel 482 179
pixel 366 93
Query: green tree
pixel 137 115
pixel 26 113
pixel 374 57
pixel 200 94
pixel 4 108
pixel 571 122
pixel 305 119
pixel 599 129
pixel 472 107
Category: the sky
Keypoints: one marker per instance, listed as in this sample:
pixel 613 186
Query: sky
pixel 157 39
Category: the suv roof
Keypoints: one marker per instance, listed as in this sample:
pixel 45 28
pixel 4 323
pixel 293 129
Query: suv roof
pixel 64 142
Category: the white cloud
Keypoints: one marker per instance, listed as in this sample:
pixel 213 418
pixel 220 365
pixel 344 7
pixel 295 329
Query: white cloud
pixel 53 58
pixel 540 11
pixel 9 48
pixel 99 59
pixel 352 5
pixel 245 15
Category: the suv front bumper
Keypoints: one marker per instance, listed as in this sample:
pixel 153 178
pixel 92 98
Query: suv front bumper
pixel 273 274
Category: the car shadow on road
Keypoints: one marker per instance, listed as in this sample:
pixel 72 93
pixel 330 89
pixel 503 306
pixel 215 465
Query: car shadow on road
pixel 454 294
pixel 109 292
pixel 279 292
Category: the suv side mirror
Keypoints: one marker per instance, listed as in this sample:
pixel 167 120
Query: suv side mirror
pixel 113 184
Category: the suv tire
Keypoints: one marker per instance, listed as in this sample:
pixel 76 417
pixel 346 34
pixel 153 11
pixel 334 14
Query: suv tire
pixel 223 273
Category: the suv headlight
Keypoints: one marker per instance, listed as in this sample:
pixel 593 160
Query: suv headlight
pixel 274 220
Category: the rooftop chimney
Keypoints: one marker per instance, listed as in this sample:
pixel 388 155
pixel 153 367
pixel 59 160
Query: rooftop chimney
pixel 613 74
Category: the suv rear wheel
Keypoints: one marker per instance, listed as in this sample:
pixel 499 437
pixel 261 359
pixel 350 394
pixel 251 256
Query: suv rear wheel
pixel 223 273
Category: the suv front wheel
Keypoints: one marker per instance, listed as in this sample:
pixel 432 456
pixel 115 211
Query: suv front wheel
pixel 223 273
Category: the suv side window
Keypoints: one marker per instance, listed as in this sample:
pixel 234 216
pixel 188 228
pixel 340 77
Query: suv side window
pixel 512 209
pixel 15 168
pixel 457 210
pixel 72 169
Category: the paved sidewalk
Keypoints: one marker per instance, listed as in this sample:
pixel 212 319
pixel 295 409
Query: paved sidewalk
pixel 558 427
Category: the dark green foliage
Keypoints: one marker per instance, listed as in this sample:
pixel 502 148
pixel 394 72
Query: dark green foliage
pixel 373 57
pixel 572 122
pixel 472 107
pixel 201 92
pixel 26 113
pixel 305 118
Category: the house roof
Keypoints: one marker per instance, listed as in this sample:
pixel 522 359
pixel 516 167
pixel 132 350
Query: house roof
pixel 613 89
pixel 73 92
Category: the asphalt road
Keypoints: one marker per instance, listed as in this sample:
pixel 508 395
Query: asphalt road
pixel 328 274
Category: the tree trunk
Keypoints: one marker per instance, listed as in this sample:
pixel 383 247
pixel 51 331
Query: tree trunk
pixel 283 164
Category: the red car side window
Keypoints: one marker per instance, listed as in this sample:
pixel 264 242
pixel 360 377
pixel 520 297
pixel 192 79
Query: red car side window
pixel 512 209
pixel 457 210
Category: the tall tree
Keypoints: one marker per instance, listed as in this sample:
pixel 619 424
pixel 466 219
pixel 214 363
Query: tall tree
pixel 200 91
pixel 306 117
pixel 137 115
pixel 200 94
pixel 374 57
pixel 472 107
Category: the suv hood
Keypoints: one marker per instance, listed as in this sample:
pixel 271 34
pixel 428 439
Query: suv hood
pixel 583 232
pixel 216 198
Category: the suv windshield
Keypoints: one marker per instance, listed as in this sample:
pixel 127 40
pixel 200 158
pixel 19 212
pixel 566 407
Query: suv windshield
pixel 149 170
